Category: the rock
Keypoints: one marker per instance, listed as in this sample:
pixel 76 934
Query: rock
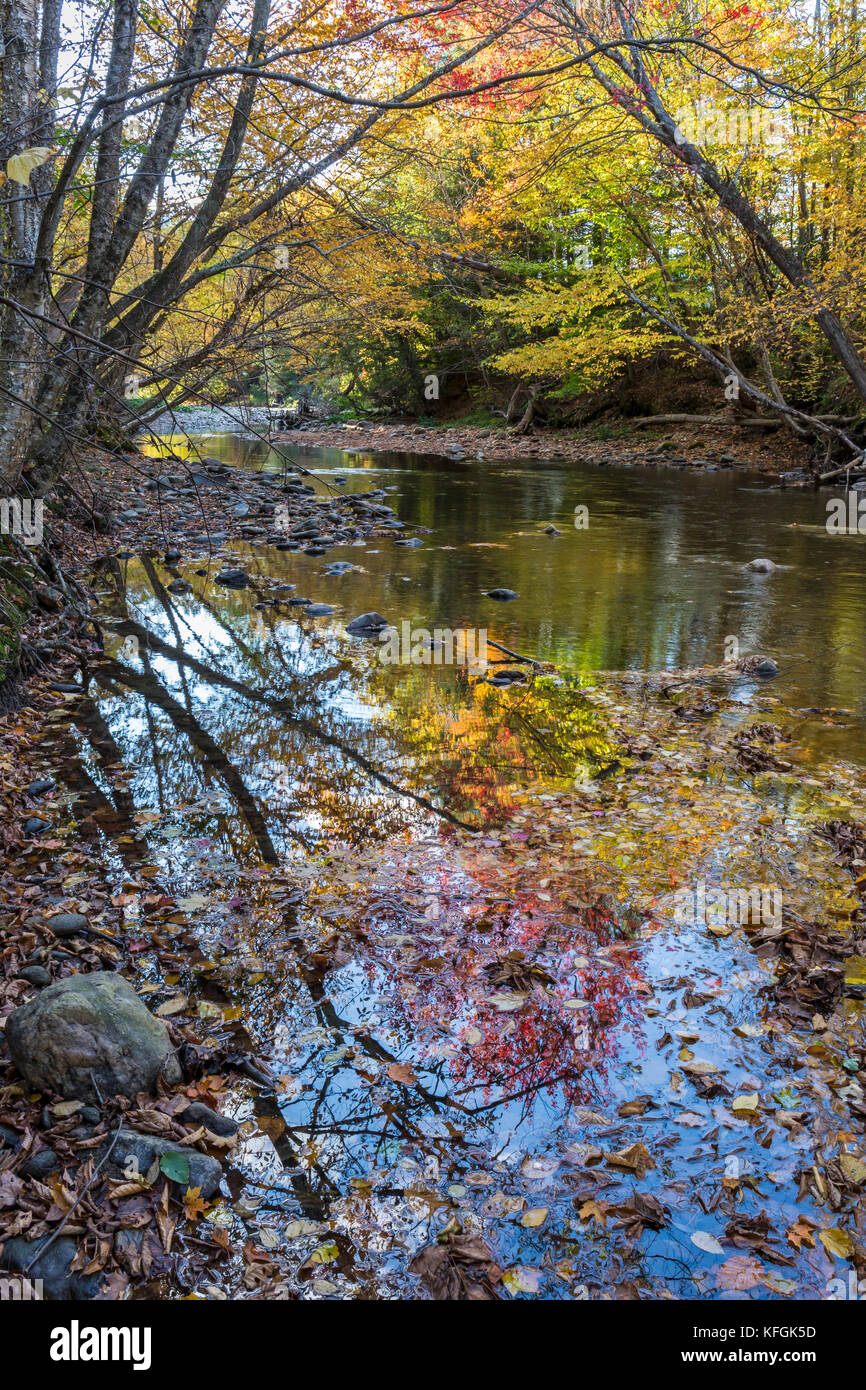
pixel 9 1138
pixel 48 598
pixel 90 1115
pixel 34 825
pixel 90 1034
pixel 316 549
pixel 171 557
pixel 367 623
pixel 506 677
pixel 235 579
pixel 179 586
pixel 240 510
pixel 502 595
pixel 552 531
pixel 53 1268
pixel 319 610
pixel 40 787
pixel 134 1151
pixel 35 975
pixel 413 542
pixel 761 566
pixel 199 1114
pixel 762 666
pixel 341 566
pixel 67 923
pixel 766 669
pixel 41 1164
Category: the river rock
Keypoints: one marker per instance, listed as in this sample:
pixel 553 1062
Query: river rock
pixel 54 1268
pixel 235 579
pixel 41 1164
pixel 40 787
pixel 179 586
pixel 199 1114
pixel 9 1138
pixel 367 623
pixel 761 566
pixel 88 1032
pixel 140 1152
pixel 501 595
pixel 34 825
pixel 319 610
pixel 35 975
pixel 67 923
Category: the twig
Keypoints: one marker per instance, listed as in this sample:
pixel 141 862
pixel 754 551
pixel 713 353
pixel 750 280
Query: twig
pixel 90 1181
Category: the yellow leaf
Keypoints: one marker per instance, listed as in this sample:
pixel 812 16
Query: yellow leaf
pixel 20 166
pixel 853 1167
pixel 836 1242
pixel 747 1102
pixel 535 1217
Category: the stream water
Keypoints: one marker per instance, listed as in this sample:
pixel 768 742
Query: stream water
pixel 440 910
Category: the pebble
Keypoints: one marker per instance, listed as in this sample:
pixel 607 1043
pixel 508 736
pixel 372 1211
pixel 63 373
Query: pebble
pixel 35 975
pixel 67 923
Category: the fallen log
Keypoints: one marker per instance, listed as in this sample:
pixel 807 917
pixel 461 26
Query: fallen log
pixel 726 421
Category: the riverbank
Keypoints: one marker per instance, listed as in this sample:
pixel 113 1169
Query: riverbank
pixel 702 448
pixel 769 449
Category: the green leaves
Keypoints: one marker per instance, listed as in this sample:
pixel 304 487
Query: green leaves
pixel 176 1167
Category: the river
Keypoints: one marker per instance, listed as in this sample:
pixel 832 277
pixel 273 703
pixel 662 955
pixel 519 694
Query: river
pixel 441 909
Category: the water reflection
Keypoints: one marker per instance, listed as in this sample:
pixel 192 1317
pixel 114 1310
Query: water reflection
pixel 381 885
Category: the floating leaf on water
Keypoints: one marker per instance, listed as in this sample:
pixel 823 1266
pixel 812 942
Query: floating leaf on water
pixel 537 1169
pixel 173 1006
pixel 704 1241
pixel 193 903
pixel 636 1158
pixel 505 1002
pixel 748 1102
pixel 853 1167
pixel 836 1242
pixel 403 1073
pixel 325 1254
pixel 741 1272
pixel 295 1229
pixel 536 1216
pixel 520 1279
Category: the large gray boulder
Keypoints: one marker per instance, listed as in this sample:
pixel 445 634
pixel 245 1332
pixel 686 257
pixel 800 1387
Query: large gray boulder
pixel 89 1037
